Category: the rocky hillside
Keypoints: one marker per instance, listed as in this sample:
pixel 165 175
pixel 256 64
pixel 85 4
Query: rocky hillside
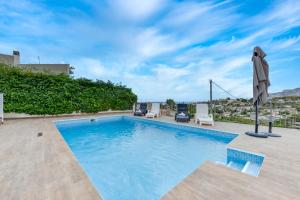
pixel 286 93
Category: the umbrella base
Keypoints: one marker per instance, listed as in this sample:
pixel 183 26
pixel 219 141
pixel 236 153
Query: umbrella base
pixel 258 134
pixel 274 135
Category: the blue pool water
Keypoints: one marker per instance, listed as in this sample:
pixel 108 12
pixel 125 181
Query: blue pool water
pixel 128 158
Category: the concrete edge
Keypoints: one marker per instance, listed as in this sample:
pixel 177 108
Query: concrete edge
pixel 14 116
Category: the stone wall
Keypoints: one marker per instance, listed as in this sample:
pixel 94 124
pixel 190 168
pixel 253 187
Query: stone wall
pixel 7 59
pixel 49 68
pixel 14 60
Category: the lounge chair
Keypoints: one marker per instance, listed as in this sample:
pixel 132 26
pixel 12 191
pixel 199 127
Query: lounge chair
pixel 155 111
pixel 202 116
pixel 182 114
pixel 142 110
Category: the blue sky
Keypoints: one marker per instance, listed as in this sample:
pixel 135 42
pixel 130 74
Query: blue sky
pixel 160 48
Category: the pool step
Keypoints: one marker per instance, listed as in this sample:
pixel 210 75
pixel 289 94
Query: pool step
pixel 247 168
pixel 244 162
pixel 244 170
pixel 236 165
pixel 252 169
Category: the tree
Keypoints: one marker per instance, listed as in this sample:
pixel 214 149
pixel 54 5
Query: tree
pixel 171 103
pixel 244 112
pixel 244 100
pixel 298 107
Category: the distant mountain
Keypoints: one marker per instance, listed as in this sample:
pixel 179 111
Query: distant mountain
pixel 286 93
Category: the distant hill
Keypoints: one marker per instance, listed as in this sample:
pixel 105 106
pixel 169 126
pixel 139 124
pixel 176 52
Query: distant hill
pixel 286 93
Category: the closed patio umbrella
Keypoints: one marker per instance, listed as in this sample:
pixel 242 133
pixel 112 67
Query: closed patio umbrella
pixel 261 80
pixel 261 83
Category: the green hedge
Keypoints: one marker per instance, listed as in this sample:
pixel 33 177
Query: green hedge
pixel 41 93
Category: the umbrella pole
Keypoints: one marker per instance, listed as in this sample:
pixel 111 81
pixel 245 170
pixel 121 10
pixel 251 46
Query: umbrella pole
pixel 256 116
pixel 256 133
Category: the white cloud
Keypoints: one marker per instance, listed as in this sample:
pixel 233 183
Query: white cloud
pixel 224 72
pixel 290 42
pixel 94 68
pixel 281 17
pixel 162 49
pixel 185 13
pixel 151 43
pixel 286 12
pixel 198 21
pixel 136 9
pixel 166 73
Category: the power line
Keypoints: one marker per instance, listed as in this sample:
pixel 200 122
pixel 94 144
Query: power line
pixel 226 91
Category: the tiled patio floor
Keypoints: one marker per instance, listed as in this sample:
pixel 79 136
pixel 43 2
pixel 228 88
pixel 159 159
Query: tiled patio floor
pixel 43 167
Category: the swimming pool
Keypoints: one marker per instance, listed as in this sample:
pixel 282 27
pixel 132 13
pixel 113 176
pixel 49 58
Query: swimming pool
pixel 131 158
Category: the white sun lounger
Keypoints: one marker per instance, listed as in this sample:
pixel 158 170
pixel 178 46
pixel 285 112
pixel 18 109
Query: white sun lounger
pixel 202 116
pixel 155 111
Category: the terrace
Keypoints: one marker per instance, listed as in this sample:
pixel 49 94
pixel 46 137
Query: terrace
pixel 43 167
pixel 71 133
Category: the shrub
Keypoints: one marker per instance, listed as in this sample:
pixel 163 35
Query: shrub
pixel 41 93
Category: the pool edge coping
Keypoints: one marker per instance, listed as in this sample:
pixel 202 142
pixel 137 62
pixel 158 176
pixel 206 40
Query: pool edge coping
pixel 228 146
